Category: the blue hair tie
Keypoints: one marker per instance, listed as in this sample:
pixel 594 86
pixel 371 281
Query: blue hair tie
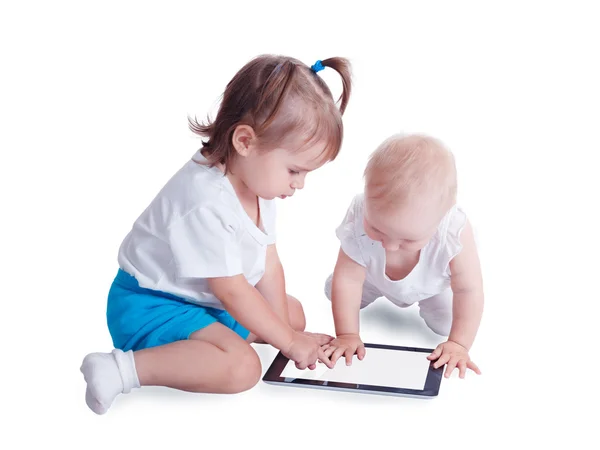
pixel 317 67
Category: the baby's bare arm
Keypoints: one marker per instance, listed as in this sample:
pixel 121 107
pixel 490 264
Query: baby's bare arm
pixel 467 288
pixel 346 292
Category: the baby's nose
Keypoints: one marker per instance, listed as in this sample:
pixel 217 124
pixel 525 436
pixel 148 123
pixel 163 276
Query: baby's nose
pixel 298 184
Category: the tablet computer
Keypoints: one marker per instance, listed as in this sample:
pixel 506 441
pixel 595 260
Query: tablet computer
pixel 386 370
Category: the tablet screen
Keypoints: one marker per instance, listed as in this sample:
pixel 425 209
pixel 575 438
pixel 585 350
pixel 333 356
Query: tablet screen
pixel 380 367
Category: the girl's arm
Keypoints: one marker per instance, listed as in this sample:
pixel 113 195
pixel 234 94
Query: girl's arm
pixel 246 305
pixel 272 285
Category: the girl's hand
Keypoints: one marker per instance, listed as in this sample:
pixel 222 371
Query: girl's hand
pixel 305 351
pixel 455 356
pixel 322 339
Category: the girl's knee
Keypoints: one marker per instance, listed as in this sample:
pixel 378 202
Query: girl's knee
pixel 296 314
pixel 244 371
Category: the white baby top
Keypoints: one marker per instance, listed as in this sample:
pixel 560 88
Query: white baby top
pixel 194 229
pixel 429 277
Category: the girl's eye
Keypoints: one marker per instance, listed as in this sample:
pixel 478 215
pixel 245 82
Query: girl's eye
pixel 293 172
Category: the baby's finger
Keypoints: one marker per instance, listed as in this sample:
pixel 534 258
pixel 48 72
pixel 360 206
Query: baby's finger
pixel 443 359
pixel 436 353
pixel 471 365
pixel 337 354
pixel 450 367
pixel 462 368
pixel 361 351
pixel 325 359
pixel 329 351
pixel 349 355
pixel 312 366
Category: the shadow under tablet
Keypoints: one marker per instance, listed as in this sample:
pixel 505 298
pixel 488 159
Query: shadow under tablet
pixel 385 370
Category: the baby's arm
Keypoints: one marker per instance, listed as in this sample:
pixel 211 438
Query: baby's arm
pixel 467 309
pixel 346 293
pixel 467 289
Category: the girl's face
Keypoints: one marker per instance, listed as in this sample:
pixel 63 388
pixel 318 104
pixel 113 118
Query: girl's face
pixel 280 171
pixel 408 226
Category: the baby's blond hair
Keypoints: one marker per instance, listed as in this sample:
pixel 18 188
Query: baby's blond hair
pixel 405 166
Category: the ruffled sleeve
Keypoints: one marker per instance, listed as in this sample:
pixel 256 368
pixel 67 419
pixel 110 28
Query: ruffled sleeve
pixel 348 231
pixel 453 225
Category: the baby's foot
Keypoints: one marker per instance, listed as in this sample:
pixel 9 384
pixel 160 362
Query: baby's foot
pixel 108 375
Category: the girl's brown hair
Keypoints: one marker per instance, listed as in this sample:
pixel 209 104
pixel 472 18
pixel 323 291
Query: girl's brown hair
pixel 277 95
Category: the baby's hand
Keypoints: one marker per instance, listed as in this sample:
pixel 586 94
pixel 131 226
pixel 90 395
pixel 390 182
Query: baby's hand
pixel 346 345
pixel 455 355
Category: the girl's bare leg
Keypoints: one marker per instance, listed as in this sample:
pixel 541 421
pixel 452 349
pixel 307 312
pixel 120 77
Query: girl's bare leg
pixel 214 360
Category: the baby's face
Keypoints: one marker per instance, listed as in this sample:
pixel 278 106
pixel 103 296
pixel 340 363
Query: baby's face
pixel 407 227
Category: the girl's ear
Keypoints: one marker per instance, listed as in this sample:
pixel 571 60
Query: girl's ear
pixel 242 138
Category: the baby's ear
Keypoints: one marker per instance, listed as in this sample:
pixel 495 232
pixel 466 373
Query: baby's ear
pixel 242 138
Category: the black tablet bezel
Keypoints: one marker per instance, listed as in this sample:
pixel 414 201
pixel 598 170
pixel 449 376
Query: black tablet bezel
pixel 432 383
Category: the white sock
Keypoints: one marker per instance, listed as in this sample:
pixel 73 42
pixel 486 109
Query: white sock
pixel 108 375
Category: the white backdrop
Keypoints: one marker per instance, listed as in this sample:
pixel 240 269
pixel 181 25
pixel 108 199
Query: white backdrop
pixel 94 99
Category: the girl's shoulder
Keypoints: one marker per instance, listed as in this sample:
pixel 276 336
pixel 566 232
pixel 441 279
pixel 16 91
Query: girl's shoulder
pixel 196 187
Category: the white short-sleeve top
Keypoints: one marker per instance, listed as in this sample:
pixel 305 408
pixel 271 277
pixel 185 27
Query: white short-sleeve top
pixel 195 229
pixel 430 276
